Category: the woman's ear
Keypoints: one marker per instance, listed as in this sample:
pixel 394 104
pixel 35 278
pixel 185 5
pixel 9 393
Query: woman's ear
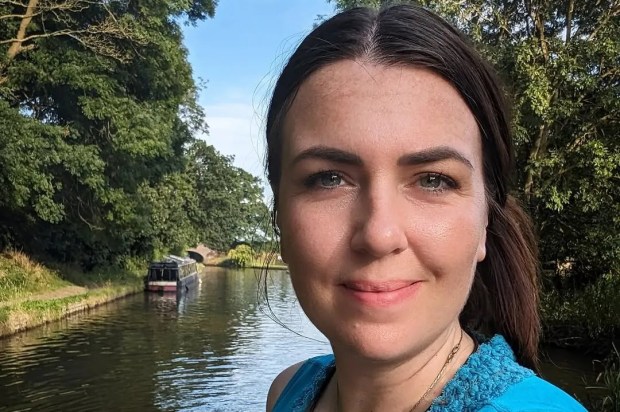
pixel 276 222
pixel 482 246
pixel 283 252
pixel 482 242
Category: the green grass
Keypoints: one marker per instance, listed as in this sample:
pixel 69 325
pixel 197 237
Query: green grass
pixel 30 313
pixel 28 297
pixel 21 277
pixel 259 263
pixel 102 277
pixel 244 257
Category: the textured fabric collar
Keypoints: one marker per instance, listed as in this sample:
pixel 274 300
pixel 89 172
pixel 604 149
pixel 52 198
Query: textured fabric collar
pixel 486 375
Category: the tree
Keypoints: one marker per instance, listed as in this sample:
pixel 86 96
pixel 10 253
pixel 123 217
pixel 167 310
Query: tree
pixel 97 108
pixel 230 199
pixel 35 20
pixel 561 63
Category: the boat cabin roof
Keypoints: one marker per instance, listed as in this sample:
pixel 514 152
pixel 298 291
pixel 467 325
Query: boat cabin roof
pixel 171 262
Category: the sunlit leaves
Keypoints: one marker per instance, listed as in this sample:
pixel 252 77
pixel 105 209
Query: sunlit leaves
pixel 93 145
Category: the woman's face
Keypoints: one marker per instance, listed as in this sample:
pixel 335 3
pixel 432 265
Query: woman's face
pixel 381 206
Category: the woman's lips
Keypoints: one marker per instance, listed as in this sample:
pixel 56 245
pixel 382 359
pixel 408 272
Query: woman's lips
pixel 380 293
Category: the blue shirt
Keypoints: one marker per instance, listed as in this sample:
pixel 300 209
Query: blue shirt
pixel 490 381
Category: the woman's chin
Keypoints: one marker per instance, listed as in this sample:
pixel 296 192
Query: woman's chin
pixel 387 347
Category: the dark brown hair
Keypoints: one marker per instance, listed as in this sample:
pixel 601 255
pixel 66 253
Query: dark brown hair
pixel 504 295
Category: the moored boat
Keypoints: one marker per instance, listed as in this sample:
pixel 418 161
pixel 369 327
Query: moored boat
pixel 173 274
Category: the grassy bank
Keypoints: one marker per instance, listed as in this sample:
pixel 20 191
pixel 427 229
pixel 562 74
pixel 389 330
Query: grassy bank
pixel 32 294
pixel 260 261
pixel 21 277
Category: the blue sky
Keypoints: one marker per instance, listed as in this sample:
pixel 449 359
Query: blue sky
pixel 239 54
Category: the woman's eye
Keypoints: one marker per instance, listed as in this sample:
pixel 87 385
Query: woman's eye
pixel 436 182
pixel 328 180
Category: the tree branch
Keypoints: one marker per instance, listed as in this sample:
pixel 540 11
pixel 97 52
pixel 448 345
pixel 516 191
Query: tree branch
pixel 15 3
pixel 16 45
pixel 64 32
pixel 569 20
pixel 613 12
pixel 539 25
pixel 100 37
pixel 20 16
pixel 535 152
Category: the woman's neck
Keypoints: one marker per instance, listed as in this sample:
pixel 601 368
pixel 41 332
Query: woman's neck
pixel 361 384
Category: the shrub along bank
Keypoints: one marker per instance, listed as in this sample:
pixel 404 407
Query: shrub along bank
pixel 244 256
pixel 586 319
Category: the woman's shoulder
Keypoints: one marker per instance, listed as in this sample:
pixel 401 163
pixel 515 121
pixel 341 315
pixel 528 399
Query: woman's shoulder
pixel 279 383
pixel 534 394
pixel 296 385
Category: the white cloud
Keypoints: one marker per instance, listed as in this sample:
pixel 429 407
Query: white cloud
pixel 234 129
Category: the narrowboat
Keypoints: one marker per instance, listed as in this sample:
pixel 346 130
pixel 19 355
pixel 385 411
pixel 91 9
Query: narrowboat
pixel 173 274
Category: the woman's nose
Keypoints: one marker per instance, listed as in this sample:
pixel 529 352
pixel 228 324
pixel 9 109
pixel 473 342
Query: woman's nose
pixel 378 226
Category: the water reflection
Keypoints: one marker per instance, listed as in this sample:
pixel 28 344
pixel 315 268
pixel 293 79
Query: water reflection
pixel 213 349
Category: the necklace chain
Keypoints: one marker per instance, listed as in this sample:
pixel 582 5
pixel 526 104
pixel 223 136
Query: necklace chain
pixel 449 359
pixel 451 355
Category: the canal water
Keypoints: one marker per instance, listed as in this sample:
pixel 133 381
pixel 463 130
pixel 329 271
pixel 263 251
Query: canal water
pixel 215 349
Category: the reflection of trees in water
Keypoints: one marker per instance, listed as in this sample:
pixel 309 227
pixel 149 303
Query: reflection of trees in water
pixel 212 339
pixel 144 351
pixel 87 365
pixel 231 307
pixel 95 360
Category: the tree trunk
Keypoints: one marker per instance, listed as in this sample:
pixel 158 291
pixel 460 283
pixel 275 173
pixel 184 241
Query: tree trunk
pixel 16 46
pixel 569 20
pixel 535 153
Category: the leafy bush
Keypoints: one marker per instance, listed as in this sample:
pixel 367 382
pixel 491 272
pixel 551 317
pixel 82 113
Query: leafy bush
pixel 579 318
pixel 241 256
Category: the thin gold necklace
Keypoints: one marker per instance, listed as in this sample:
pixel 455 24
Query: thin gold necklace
pixel 449 359
pixel 451 355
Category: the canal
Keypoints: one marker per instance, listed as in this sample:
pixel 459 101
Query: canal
pixel 215 349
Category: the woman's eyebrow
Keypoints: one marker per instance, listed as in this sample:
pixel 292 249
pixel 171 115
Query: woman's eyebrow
pixel 328 153
pixel 433 154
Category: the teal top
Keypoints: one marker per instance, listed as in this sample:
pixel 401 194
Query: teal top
pixel 490 381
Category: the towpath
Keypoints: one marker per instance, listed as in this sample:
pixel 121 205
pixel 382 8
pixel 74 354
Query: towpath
pixel 59 293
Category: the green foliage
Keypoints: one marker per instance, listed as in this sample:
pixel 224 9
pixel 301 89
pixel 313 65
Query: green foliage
pixel 91 120
pixel 241 256
pixel 230 200
pixel 578 318
pixel 131 275
pixel 98 110
pixel 560 61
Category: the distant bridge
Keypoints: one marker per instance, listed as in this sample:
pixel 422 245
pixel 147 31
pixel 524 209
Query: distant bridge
pixel 201 253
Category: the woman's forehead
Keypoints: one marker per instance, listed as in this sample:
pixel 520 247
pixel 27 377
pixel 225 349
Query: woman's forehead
pixel 359 76
pixel 355 102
